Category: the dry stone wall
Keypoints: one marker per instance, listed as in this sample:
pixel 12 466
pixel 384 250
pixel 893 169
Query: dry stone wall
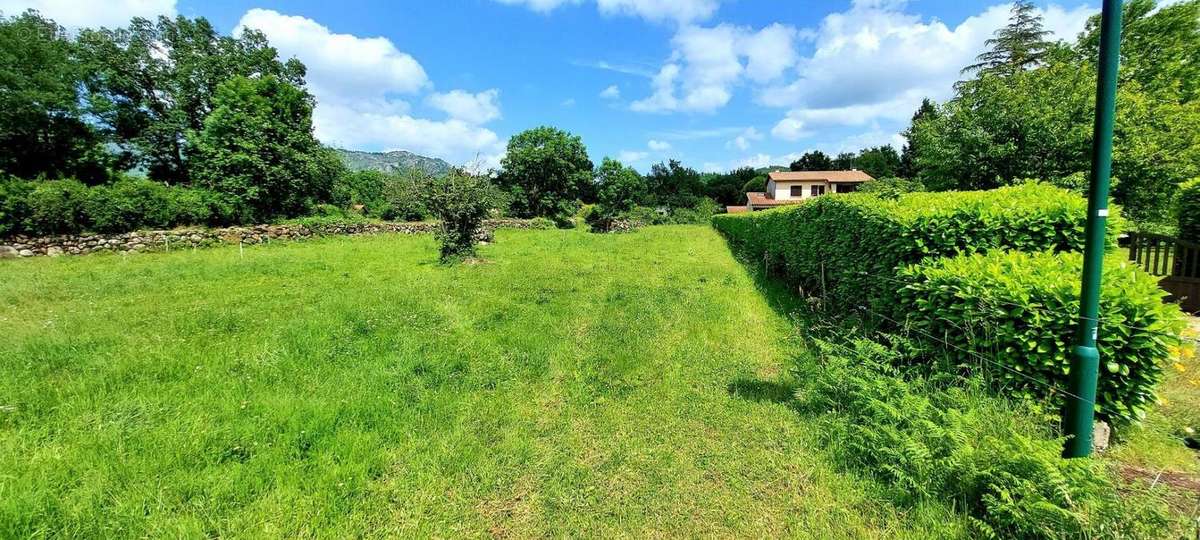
pixel 140 241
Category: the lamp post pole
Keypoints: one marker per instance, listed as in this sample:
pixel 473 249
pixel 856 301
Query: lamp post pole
pixel 1079 413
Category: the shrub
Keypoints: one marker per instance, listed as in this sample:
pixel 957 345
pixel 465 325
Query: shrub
pixel 130 204
pixel 891 188
pixel 990 460
pixel 541 223
pixel 461 201
pixel 365 188
pixel 1188 208
pixel 703 211
pixel 1019 310
pixel 403 198
pixel 14 205
pixel 842 244
pixel 56 207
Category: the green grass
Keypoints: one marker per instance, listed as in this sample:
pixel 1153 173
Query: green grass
pixel 570 385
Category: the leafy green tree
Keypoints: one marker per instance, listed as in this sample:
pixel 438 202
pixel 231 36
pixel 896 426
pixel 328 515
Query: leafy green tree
pixel 815 160
pixel 545 171
pixel 42 131
pixel 258 145
pixel 726 188
pixel 908 154
pixel 758 184
pixel 1019 45
pixel 1159 48
pixel 1188 210
pixel 845 161
pixel 879 161
pixel 674 186
pixel 619 188
pixel 151 84
pixel 461 202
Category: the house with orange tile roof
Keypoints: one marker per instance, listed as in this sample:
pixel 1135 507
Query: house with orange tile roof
pixel 791 187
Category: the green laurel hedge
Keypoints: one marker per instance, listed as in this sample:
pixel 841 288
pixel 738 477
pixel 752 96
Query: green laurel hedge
pixel 840 246
pixel 1018 310
pixel 1189 211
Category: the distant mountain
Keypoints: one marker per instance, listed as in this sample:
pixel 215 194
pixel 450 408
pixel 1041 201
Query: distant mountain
pixel 394 161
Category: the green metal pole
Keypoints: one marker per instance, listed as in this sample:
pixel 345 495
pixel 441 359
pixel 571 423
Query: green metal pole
pixel 1085 359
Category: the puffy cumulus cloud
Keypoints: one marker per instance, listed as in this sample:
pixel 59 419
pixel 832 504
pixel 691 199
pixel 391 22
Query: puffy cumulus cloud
pixel 706 63
pixel 74 14
pixel 478 108
pixel 743 140
pixel 876 62
pixel 681 11
pixel 612 92
pixel 357 81
pixel 658 146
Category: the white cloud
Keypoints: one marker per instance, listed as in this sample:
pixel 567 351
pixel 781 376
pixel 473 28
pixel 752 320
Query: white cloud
pixel 681 11
pixel 876 62
pixel 742 141
pixel 631 156
pixel 569 102
pixel 357 81
pixel 658 146
pixel 74 14
pixel 612 92
pixel 478 108
pixel 706 63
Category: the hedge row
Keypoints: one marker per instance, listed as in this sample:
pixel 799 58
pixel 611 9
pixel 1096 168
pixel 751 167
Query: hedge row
pixel 837 246
pixel 1018 311
pixel 1189 211
pixel 68 206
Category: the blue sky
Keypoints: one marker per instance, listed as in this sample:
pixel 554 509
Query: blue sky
pixel 715 83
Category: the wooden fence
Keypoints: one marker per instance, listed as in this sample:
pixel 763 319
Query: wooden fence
pixel 1177 261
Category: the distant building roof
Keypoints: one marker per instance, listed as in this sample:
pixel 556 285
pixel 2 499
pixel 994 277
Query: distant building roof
pixel 758 198
pixel 736 209
pixel 831 176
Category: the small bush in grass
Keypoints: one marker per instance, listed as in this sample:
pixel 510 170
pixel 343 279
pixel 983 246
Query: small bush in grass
pixel 541 223
pixel 988 458
pixel 1188 208
pixel 461 202
pixel 1019 311
pixel 846 246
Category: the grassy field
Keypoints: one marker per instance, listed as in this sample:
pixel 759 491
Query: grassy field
pixel 568 385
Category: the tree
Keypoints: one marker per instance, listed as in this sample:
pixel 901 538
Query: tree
pixel 1159 47
pixel 1017 46
pixel 845 161
pixel 619 188
pixel 879 161
pixel 152 84
pixel 726 188
pixel 461 202
pixel 545 170
pixel 908 155
pixel 673 185
pixel 815 160
pixel 758 184
pixel 42 131
pixel 258 145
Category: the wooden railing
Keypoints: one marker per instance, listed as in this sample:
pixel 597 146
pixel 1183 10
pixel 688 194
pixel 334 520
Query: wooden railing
pixel 1176 261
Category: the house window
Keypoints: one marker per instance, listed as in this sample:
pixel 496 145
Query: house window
pixel 817 190
pixel 846 188
pixel 797 191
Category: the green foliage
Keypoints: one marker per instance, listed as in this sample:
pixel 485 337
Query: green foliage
pixel 879 161
pixel 729 189
pixel 461 202
pixel 757 184
pixel 14 205
pixel 152 85
pixel 258 145
pixel 989 459
pixel 404 197
pixel 1159 46
pixel 673 185
pixel 56 207
pixel 361 188
pixel 619 188
pixel 545 170
pixel 1188 210
pixel 847 245
pixel 814 160
pixel 1019 311
pixel 1017 46
pixel 42 130
pixel 541 223
pixel 891 188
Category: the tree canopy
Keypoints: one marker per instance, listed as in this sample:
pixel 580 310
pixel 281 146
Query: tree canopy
pixel 815 160
pixel 545 170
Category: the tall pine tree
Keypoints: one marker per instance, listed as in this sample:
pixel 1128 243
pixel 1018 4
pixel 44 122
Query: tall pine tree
pixel 1019 45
